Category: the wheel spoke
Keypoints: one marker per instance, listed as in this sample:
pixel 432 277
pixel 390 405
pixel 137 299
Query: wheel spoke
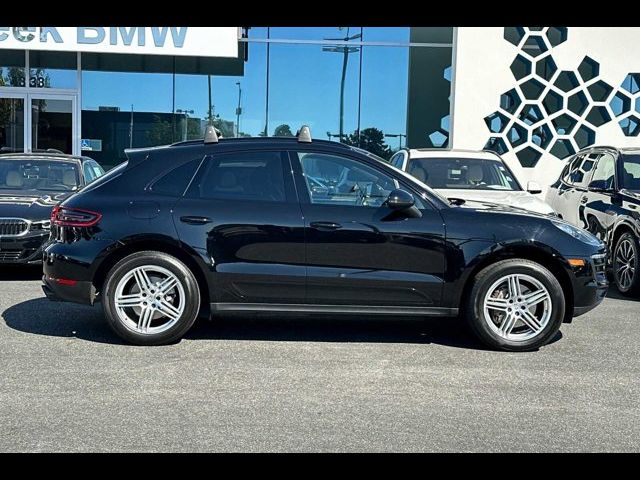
pixel 169 310
pixel 507 324
pixel 535 297
pixel 531 321
pixel 145 319
pixel 142 279
pixel 167 284
pixel 514 286
pixel 132 300
pixel 497 304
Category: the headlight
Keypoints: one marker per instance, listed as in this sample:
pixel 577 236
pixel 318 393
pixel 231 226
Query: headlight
pixel 578 233
pixel 41 225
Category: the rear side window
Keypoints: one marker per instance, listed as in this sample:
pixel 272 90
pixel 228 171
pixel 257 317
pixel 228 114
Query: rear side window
pixel 176 181
pixel 254 176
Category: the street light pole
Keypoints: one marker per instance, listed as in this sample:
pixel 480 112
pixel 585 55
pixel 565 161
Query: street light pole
pixel 238 110
pixel 186 118
pixel 346 50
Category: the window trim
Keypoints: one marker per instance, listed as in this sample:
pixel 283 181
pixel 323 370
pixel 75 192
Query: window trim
pixel 301 184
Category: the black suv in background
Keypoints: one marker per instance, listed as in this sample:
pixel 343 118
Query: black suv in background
pixel 599 190
pixel 294 225
pixel 30 185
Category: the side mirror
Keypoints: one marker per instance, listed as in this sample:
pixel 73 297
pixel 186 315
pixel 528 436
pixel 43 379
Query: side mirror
pixel 599 186
pixel 400 200
pixel 534 187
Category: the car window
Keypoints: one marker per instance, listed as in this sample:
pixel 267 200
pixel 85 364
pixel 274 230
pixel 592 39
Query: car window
pixel 89 176
pixel 257 176
pixel 631 172
pixel 605 170
pixel 39 174
pixel 580 169
pixel 463 173
pixel 336 180
pixel 175 181
pixel 397 160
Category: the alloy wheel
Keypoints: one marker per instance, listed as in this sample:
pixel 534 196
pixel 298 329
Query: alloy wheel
pixel 149 299
pixel 517 307
pixel 625 264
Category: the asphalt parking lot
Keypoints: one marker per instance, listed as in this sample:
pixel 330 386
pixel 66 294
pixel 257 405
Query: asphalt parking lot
pixel 243 384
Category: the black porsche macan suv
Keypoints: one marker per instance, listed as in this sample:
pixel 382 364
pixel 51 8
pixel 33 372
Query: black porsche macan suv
pixel 599 190
pixel 294 225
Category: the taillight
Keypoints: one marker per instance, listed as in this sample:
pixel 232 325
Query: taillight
pixel 74 217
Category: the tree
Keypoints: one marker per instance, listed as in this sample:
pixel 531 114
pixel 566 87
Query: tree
pixel 161 132
pixel 370 139
pixel 283 130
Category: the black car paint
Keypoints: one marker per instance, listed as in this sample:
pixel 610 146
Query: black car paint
pixel 271 256
pixel 35 206
pixel 606 214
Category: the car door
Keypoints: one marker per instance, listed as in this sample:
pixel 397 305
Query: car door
pixel 598 203
pixel 358 251
pixel 241 214
pixel 572 188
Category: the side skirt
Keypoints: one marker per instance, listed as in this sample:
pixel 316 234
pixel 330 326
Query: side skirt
pixel 350 309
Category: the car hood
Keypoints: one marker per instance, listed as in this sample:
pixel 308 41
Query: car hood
pixel 30 205
pixel 518 199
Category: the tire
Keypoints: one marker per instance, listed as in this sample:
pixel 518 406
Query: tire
pixel 625 265
pixel 493 285
pixel 159 313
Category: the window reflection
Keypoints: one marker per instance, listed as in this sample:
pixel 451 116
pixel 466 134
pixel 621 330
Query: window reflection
pixel 53 70
pixel 12 68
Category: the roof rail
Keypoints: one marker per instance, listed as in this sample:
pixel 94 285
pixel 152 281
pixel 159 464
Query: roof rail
pixel 304 134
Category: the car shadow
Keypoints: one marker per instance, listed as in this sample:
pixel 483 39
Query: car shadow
pixel 615 294
pixel 20 272
pixel 42 317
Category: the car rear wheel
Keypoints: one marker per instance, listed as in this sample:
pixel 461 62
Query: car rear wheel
pixel 625 265
pixel 150 298
pixel 515 305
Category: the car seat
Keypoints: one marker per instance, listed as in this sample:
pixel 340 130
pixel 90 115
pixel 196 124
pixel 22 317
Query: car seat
pixel 475 174
pixel 14 179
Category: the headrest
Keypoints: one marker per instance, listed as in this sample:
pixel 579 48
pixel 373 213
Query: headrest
pixel 69 178
pixel 14 179
pixel 474 173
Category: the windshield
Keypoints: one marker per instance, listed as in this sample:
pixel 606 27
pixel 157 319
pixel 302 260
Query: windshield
pixel 631 172
pixel 463 173
pixel 40 175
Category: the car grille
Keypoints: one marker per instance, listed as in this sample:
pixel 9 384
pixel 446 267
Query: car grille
pixel 9 255
pixel 13 226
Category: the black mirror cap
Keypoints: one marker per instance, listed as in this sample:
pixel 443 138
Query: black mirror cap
pixel 400 200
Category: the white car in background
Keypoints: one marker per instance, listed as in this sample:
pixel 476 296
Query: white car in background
pixel 470 175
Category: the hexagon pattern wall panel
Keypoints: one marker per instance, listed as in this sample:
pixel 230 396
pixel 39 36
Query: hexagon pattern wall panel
pixel 553 110
pixel 440 137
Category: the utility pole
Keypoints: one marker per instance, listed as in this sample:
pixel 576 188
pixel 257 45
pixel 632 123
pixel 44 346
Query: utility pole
pixel 238 110
pixel 345 50
pixel 210 112
pixel 131 129
pixel 186 119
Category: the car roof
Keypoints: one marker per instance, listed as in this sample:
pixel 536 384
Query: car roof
pixel 609 147
pixel 452 153
pixel 45 155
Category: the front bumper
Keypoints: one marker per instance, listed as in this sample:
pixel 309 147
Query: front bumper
pixel 590 284
pixel 25 249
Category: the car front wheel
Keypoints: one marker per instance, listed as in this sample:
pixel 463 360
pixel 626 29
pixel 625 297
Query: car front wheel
pixel 515 305
pixel 150 298
pixel 625 265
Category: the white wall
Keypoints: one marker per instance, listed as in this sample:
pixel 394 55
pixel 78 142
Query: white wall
pixel 482 74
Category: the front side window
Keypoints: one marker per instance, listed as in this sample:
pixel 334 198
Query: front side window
pixel 256 176
pixel 40 175
pixel 336 180
pixel 463 173
pixel 397 160
pixel 631 172
pixel 605 171
pixel 580 169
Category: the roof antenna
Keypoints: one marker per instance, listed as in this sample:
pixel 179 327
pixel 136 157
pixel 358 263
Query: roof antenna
pixel 210 134
pixel 304 134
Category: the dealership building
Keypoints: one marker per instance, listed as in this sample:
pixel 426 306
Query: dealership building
pixel 533 94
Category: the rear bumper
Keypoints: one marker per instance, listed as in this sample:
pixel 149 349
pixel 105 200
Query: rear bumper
pixel 79 292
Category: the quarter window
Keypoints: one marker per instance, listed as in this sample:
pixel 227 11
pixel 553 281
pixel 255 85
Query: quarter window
pixel 334 180
pixel 175 182
pixel 256 176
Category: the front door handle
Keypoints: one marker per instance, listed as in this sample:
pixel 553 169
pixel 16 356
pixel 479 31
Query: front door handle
pixel 194 220
pixel 584 200
pixel 325 225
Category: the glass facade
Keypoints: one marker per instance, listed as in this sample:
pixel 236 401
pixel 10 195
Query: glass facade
pixel 380 88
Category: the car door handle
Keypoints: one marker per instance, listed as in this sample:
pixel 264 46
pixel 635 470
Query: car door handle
pixel 584 200
pixel 194 220
pixel 325 225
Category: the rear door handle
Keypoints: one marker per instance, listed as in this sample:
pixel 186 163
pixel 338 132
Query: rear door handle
pixel 194 220
pixel 325 225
